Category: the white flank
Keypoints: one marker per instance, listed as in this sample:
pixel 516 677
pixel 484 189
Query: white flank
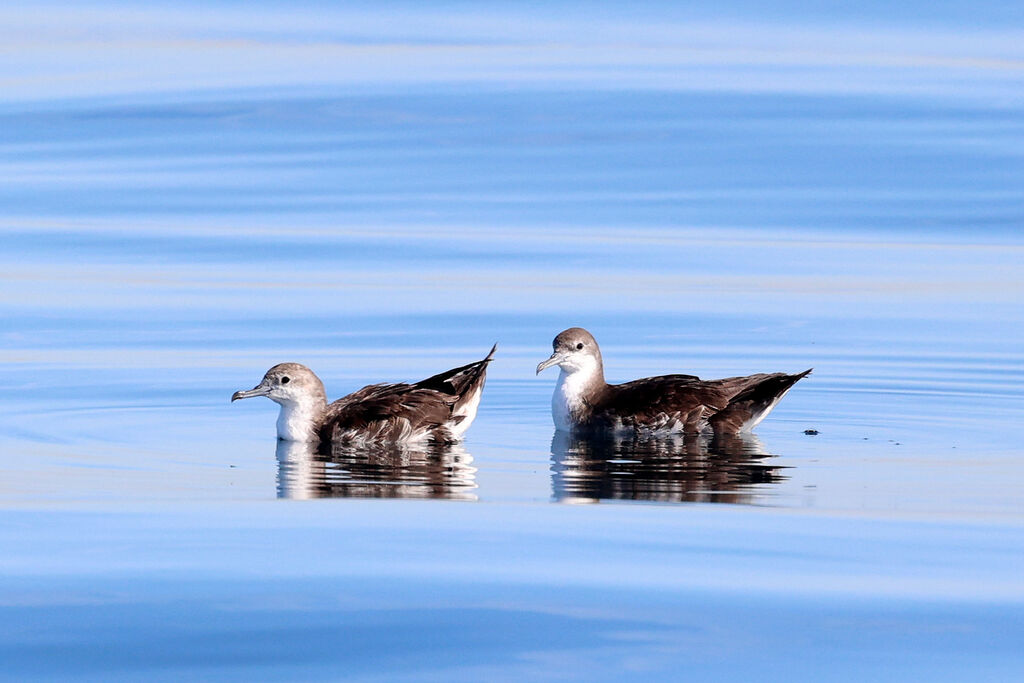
pixel 756 420
pixel 467 409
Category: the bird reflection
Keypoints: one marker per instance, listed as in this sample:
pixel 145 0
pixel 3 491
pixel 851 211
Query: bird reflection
pixel 721 469
pixel 382 471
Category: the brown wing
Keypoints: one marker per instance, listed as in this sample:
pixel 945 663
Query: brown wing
pixel 727 405
pixel 392 412
pixel 664 402
pixel 751 397
pixel 386 412
pixel 462 382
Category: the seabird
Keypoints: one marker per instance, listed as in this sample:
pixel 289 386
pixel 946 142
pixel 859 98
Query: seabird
pixel 584 403
pixel 438 409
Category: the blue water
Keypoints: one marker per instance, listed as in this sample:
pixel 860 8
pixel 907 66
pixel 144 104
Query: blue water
pixel 190 194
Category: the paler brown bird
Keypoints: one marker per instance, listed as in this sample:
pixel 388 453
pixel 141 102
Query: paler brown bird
pixel 438 409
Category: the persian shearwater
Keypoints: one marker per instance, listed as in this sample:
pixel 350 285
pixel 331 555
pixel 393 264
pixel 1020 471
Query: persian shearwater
pixel 438 409
pixel 584 403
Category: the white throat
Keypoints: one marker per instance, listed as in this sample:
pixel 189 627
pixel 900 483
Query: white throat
pixel 572 385
pixel 297 420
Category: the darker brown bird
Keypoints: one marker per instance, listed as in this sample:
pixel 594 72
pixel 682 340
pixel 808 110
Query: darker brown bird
pixel 584 403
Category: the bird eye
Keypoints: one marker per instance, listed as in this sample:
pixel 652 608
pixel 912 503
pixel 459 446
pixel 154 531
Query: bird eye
pixel 285 380
pixel 579 346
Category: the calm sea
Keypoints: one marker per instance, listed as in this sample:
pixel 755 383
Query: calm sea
pixel 191 194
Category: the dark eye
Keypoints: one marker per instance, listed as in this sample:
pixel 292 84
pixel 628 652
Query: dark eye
pixel 579 346
pixel 285 380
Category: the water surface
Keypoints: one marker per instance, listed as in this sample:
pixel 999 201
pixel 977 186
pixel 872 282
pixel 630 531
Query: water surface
pixel 384 192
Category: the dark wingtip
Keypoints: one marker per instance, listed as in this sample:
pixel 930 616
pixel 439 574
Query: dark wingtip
pixel 490 355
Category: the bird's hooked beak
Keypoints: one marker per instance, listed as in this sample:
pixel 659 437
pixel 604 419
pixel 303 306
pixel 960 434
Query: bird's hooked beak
pixel 260 389
pixel 555 359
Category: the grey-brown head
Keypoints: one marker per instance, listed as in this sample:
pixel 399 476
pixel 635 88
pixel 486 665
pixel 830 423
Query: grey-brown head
pixel 301 395
pixel 575 350
pixel 286 383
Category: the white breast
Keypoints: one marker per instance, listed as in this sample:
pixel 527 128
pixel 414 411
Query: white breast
pixel 567 399
pixel 295 422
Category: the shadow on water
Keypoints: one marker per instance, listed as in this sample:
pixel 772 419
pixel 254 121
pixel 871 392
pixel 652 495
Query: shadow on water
pixel 586 469
pixel 383 471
